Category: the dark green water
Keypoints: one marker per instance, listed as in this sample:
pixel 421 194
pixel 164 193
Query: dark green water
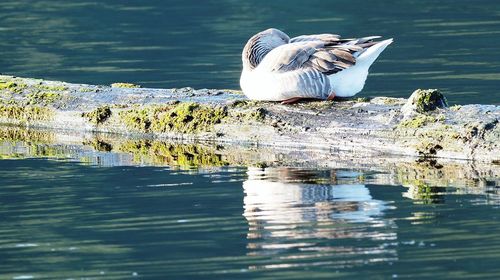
pixel 451 45
pixel 62 220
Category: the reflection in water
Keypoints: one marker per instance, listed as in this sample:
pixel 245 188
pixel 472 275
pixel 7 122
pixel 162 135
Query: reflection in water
pixel 173 154
pixel 300 211
pixel 423 193
pixel 66 220
pixel 17 142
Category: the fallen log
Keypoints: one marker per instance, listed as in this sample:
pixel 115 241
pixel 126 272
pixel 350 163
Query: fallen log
pixel 421 125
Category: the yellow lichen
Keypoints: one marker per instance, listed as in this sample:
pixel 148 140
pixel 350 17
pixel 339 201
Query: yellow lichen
pixel 42 97
pixel 187 117
pixel 362 99
pixel 416 122
pixel 250 115
pixel 45 87
pixel 25 113
pixel 13 87
pixel 428 100
pixel 124 85
pixel 233 91
pixel 437 138
pixel 138 119
pixel 86 89
pixel 99 115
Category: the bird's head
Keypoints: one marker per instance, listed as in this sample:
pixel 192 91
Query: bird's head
pixel 273 38
pixel 261 44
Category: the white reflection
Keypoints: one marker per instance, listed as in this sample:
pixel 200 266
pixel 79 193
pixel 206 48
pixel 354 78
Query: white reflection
pixel 310 211
pixel 293 202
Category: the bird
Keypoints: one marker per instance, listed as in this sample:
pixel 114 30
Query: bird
pixel 320 66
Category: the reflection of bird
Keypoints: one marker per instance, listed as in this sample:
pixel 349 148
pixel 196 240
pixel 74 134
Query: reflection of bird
pixel 304 211
pixel 289 197
pixel 277 68
pixel 291 203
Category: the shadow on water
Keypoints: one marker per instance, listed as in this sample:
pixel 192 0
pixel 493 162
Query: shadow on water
pixel 90 206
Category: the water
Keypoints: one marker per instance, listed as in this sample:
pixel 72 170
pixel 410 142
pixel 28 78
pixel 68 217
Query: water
pixel 451 45
pixel 70 212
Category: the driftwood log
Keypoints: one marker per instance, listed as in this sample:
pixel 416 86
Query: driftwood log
pixel 421 126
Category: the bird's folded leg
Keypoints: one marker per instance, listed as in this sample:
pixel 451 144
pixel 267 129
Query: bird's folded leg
pixel 291 100
pixel 331 96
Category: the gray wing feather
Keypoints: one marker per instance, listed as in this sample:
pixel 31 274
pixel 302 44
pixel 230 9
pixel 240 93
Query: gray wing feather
pixel 326 53
pixel 327 39
pixel 289 57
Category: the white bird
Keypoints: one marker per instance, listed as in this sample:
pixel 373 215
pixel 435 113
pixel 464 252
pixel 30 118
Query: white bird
pixel 322 66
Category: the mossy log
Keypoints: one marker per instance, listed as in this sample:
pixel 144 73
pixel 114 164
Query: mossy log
pixel 421 126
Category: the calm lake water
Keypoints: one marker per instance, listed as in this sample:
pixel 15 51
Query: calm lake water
pixel 450 45
pixel 98 215
pixel 86 215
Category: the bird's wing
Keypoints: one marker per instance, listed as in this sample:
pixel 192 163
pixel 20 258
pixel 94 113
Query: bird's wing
pixel 327 39
pixel 332 39
pixel 289 57
pixel 314 54
pixel 318 52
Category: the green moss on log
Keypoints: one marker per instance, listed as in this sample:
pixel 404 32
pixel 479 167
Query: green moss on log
pixel 233 91
pixel 421 120
pixel 86 89
pixel 437 138
pixel 429 100
pixel 250 115
pixel 25 113
pixel 362 99
pixel 137 119
pixel 387 100
pixel 12 87
pixel 186 117
pixel 45 87
pixel 238 103
pixel 43 98
pixel 124 85
pixel 416 122
pixel 99 115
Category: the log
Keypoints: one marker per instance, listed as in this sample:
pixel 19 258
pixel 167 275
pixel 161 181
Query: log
pixel 420 126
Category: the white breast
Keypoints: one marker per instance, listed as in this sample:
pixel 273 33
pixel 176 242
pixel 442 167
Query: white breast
pixel 266 86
